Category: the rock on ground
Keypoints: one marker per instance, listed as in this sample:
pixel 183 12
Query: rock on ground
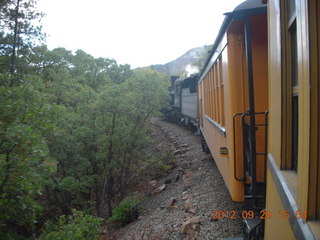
pixel 183 209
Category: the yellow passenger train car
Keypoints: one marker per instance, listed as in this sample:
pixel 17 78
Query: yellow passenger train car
pixel 258 98
pixel 233 104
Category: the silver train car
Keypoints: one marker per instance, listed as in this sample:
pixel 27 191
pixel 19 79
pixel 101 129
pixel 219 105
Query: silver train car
pixel 183 94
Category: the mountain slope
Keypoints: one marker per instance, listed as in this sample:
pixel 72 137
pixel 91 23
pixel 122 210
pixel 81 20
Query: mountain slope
pixel 190 62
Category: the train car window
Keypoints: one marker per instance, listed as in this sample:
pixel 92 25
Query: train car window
pixel 294 59
pixel 294 148
pixel 214 96
pixel 290 85
pixel 206 96
pixel 221 91
pixel 213 88
pixel 201 114
pixel 294 83
pixel 200 92
pixel 294 86
pixel 211 99
pixel 217 91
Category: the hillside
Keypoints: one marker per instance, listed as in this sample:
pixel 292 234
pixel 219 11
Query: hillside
pixel 190 62
pixel 181 204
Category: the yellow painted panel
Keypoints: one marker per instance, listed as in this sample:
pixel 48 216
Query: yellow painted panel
pixel 259 40
pixel 275 227
pixel 235 98
pixel 215 139
pixel 274 35
pixel 315 228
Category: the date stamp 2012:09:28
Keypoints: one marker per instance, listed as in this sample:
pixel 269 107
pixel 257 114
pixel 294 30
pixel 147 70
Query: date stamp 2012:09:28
pixel 263 214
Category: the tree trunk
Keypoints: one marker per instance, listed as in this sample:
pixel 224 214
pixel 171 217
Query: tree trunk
pixel 98 198
pixel 110 183
pixel 109 180
pixel 15 39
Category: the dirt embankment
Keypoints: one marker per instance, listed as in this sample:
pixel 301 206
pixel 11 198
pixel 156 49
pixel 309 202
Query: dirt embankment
pixel 180 205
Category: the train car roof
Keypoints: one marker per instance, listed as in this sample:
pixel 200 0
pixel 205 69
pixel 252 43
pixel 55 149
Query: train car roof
pixel 250 4
pixel 247 8
pixel 192 77
pixel 188 82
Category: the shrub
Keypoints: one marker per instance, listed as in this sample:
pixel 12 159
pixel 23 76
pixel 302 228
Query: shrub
pixel 78 226
pixel 126 211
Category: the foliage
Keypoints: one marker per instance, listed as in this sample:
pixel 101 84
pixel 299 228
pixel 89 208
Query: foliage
pixel 158 165
pixel 25 119
pixel 78 226
pixel 18 33
pixel 71 135
pixel 125 211
pixel 72 127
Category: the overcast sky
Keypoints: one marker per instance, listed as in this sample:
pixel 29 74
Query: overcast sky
pixel 137 32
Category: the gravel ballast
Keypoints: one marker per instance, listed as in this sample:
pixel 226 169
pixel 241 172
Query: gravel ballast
pixel 193 189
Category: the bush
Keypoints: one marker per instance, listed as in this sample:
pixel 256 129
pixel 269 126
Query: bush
pixel 126 211
pixel 78 226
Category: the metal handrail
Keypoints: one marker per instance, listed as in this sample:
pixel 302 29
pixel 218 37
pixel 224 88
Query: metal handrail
pixel 265 124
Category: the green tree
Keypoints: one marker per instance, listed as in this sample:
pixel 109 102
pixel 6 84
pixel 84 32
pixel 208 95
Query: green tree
pixel 78 226
pixel 19 33
pixel 25 119
pixel 123 111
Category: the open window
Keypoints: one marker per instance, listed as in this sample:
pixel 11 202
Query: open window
pixel 290 87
